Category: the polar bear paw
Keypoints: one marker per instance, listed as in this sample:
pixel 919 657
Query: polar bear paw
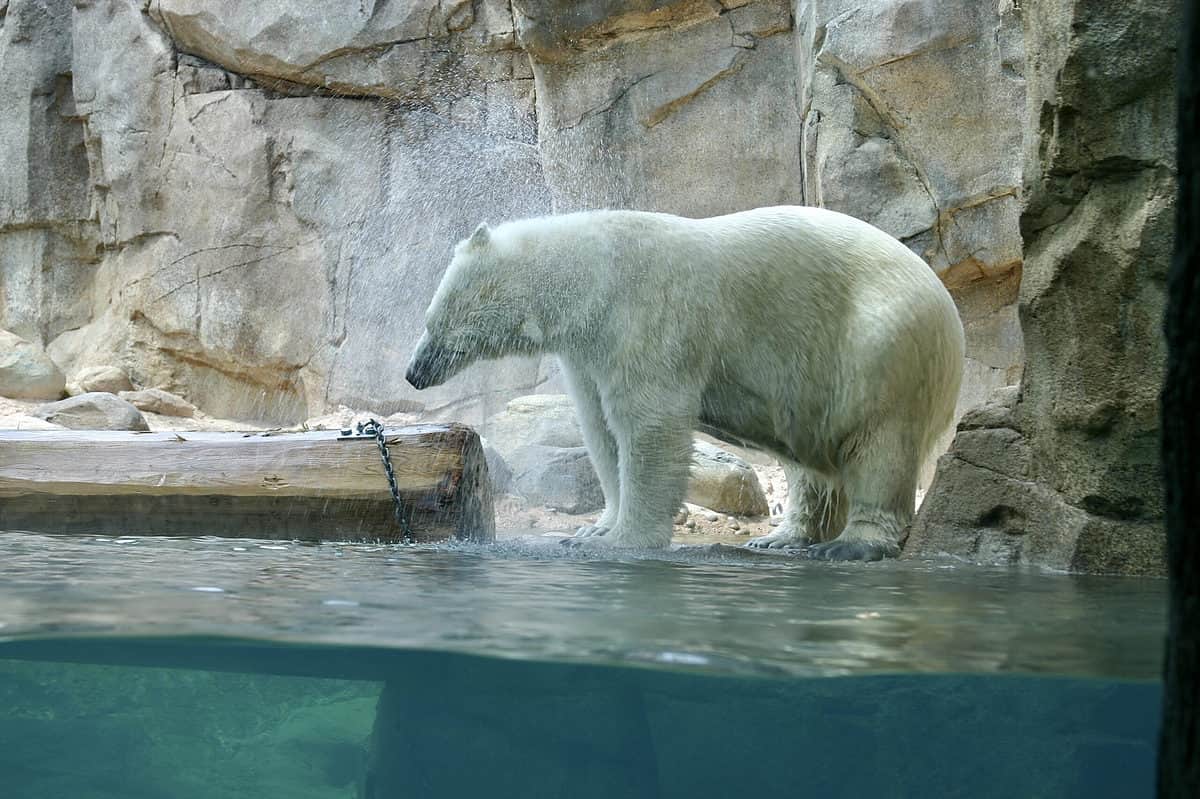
pixel 782 537
pixel 592 530
pixel 593 544
pixel 854 549
pixel 591 536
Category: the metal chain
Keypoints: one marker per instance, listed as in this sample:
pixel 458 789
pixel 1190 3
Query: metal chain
pixel 375 429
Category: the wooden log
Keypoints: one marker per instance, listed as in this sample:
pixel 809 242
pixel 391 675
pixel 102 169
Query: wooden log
pixel 313 485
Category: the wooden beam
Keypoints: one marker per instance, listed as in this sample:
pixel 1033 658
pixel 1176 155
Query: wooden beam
pixel 309 485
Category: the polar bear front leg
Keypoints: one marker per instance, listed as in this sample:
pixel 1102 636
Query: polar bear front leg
pixel 653 429
pixel 601 447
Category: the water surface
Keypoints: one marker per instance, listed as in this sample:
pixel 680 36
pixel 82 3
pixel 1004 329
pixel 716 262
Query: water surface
pixel 721 612
pixel 222 669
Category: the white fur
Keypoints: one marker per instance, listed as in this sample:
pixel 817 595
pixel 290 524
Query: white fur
pixel 803 331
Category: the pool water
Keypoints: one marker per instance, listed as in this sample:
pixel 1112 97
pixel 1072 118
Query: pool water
pixel 217 668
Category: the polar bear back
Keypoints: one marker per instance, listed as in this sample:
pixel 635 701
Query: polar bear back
pixel 789 310
pixel 783 276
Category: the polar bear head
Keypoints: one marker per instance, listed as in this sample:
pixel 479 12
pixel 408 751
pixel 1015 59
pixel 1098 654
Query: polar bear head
pixel 482 309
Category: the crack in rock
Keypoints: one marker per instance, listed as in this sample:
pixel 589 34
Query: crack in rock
pixel 663 111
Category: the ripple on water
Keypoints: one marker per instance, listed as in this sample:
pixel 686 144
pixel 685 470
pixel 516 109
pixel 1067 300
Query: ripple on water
pixel 717 609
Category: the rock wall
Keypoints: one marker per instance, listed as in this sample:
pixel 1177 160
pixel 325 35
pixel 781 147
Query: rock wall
pixel 249 204
pixel 1065 472
pixel 685 107
pixel 912 120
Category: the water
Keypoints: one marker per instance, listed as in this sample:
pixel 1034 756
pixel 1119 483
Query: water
pixel 219 668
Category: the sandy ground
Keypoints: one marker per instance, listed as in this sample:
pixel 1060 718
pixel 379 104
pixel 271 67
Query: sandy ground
pixel 514 517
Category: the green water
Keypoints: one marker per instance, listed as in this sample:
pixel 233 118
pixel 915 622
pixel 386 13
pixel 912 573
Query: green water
pixel 211 668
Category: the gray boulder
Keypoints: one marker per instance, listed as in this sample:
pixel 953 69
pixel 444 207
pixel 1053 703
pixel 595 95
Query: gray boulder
pixel 93 411
pixel 546 424
pixel 499 474
pixel 557 477
pixel 26 372
pixel 542 419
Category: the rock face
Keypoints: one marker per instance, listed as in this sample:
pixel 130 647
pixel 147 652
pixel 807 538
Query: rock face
pixel 26 372
pixel 187 189
pixel 664 106
pixel 1069 476
pixel 93 411
pixel 249 205
pixel 912 116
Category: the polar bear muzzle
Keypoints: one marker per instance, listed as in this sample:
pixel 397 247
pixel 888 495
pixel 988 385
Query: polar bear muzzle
pixel 433 364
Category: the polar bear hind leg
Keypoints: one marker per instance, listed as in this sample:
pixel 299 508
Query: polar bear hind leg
pixel 815 511
pixel 880 471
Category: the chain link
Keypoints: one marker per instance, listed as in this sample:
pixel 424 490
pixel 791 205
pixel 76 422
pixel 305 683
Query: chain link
pixel 375 429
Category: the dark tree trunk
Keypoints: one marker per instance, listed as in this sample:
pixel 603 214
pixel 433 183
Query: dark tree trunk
pixel 1179 742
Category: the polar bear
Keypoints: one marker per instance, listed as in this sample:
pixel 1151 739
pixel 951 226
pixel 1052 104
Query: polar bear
pixel 800 331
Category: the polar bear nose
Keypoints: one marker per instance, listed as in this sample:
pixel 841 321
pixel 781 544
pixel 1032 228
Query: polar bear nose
pixel 429 365
pixel 420 374
pixel 416 378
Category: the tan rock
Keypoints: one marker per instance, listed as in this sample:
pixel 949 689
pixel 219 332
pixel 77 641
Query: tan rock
pixel 155 400
pixel 723 482
pixel 110 379
pixel 26 372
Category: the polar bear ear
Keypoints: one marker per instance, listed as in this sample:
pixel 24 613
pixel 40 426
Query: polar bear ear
pixel 480 237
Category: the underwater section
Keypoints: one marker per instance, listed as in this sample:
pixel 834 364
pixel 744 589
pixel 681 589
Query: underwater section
pixel 450 725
